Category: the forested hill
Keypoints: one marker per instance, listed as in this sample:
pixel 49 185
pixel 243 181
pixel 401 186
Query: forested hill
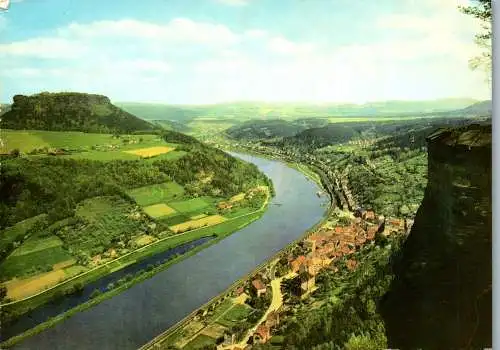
pixel 71 112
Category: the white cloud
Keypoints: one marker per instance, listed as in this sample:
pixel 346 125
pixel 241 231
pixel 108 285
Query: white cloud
pixel 43 48
pixel 284 46
pixel 186 61
pixel 256 33
pixel 179 30
pixel 234 2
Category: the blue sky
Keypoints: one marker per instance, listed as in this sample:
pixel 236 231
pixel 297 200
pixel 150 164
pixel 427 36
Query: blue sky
pixel 208 51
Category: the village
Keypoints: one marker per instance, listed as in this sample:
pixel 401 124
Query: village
pixel 253 311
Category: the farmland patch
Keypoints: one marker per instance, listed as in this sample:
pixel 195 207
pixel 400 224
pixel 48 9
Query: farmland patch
pixel 158 210
pixel 194 224
pixel 153 194
pixel 190 205
pixel 32 263
pixel 34 244
pixel 22 288
pixel 151 151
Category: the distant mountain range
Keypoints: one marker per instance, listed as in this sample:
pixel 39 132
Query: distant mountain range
pixel 263 110
pixel 39 111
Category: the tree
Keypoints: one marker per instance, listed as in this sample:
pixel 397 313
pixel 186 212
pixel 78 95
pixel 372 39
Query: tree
pixel 15 153
pixel 3 292
pixel 481 9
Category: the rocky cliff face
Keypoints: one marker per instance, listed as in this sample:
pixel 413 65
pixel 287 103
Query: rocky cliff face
pixel 441 297
pixel 70 112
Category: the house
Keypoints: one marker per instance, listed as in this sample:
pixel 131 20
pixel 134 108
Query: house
pixel 307 280
pixel 224 205
pixel 359 212
pixel 229 339
pixel 351 264
pixel 371 232
pixel 369 215
pixel 261 334
pixel 295 264
pixel 339 229
pixel 259 287
pixel 310 244
pixel 240 290
pixel 360 240
pixel 273 319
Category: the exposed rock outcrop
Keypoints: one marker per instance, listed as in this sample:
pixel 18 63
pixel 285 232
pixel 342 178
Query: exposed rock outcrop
pixel 441 297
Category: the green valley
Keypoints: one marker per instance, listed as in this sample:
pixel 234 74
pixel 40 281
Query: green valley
pixel 77 206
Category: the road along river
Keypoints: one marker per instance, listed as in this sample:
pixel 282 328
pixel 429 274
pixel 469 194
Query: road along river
pixel 132 318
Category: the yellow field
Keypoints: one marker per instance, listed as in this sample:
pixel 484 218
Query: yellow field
pixel 150 151
pixel 237 198
pixel 193 224
pixel 64 264
pixel 157 210
pixel 18 289
pixel 196 217
pixel 144 240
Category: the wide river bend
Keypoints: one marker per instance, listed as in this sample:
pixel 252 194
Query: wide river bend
pixel 132 318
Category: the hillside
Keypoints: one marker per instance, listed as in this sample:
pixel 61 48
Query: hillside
pixel 264 129
pixel 271 110
pixel 483 108
pixel 71 112
pixel 323 136
pixel 4 108
pixel 73 202
pixel 445 265
pixel 153 111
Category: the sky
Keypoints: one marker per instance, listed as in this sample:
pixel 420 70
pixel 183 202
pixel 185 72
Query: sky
pixel 211 51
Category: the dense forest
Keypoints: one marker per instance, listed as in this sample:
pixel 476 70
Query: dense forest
pixel 71 112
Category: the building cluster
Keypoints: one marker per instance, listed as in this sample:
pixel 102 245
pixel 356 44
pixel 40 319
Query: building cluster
pixel 324 247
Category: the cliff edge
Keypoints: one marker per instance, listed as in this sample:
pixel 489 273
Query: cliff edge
pixel 441 297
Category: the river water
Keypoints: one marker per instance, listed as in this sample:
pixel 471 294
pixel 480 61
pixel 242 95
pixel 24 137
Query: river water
pixel 137 315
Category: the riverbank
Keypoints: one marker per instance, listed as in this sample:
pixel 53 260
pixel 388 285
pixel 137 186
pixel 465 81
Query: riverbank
pixel 302 168
pixel 166 337
pixel 220 231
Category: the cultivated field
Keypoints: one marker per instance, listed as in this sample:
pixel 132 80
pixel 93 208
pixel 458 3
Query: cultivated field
pixel 33 263
pixel 235 315
pixel 237 198
pixel 158 210
pixel 196 217
pixel 198 342
pixel 18 231
pixel 191 205
pixel 165 192
pixel 214 330
pixel 18 289
pixel 194 224
pixel 144 240
pixel 151 151
pixel 34 244
pixel 27 140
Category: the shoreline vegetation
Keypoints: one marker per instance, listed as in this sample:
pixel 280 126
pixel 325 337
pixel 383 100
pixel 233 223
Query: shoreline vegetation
pixel 144 273
pixel 302 168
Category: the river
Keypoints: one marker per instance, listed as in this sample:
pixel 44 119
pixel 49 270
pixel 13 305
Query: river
pixel 132 318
